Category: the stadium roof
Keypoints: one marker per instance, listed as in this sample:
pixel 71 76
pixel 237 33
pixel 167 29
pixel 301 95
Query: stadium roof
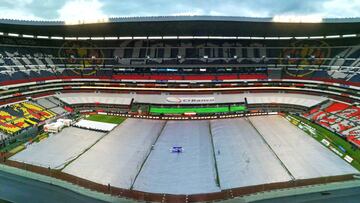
pixel 183 26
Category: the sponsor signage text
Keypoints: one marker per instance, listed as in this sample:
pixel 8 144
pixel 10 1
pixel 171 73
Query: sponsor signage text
pixel 190 100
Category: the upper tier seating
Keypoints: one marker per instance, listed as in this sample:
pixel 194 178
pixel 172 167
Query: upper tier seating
pixel 25 62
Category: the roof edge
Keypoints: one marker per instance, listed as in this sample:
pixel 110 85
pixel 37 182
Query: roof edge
pixel 173 18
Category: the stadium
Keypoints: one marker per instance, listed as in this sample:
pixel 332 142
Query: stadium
pixel 181 108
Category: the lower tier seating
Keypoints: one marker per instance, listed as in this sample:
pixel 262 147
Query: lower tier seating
pixel 16 117
pixel 339 117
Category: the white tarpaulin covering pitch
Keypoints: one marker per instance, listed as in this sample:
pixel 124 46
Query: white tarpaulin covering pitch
pixel 301 154
pixel 273 151
pixel 242 156
pixel 95 125
pixel 58 149
pixel 189 172
pixel 117 158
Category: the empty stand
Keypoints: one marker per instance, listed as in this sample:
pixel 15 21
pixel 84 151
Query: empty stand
pixel 341 118
pixel 17 117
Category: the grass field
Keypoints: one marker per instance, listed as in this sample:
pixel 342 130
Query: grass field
pixel 335 140
pixel 105 118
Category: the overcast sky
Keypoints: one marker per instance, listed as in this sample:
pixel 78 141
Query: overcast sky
pixel 91 9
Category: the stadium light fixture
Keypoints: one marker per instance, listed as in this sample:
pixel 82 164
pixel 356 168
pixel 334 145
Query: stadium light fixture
pixel 154 37
pixel 1 33
pixel 13 34
pixel 170 37
pixel 229 37
pixel 244 37
pixel 201 37
pixel 186 37
pixel 125 38
pixel 297 19
pixel 257 38
pixel 271 38
pixel 349 35
pixel 301 37
pixel 83 38
pixel 332 36
pixel 56 37
pixel 316 37
pixel 28 36
pixel 70 38
pixel 284 38
pixel 111 38
pixel 42 37
pixel 97 38
pixel 216 37
pixel 139 37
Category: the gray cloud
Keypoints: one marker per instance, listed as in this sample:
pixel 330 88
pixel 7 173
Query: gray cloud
pixel 252 8
pixel 48 9
pixel 39 9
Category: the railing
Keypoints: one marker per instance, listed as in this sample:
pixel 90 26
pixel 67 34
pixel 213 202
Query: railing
pixel 157 197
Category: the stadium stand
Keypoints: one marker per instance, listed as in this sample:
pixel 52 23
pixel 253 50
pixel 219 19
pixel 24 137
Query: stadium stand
pixel 91 98
pixel 59 110
pixel 46 103
pixel 78 69
pixel 336 107
pixel 340 118
pixel 253 98
pixel 27 67
pixel 247 59
pixel 19 116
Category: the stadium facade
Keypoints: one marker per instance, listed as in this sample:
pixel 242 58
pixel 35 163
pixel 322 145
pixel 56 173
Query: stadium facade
pixel 181 68
pixel 188 52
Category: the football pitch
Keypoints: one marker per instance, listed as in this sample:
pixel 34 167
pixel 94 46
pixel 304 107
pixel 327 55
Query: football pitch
pixel 105 118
